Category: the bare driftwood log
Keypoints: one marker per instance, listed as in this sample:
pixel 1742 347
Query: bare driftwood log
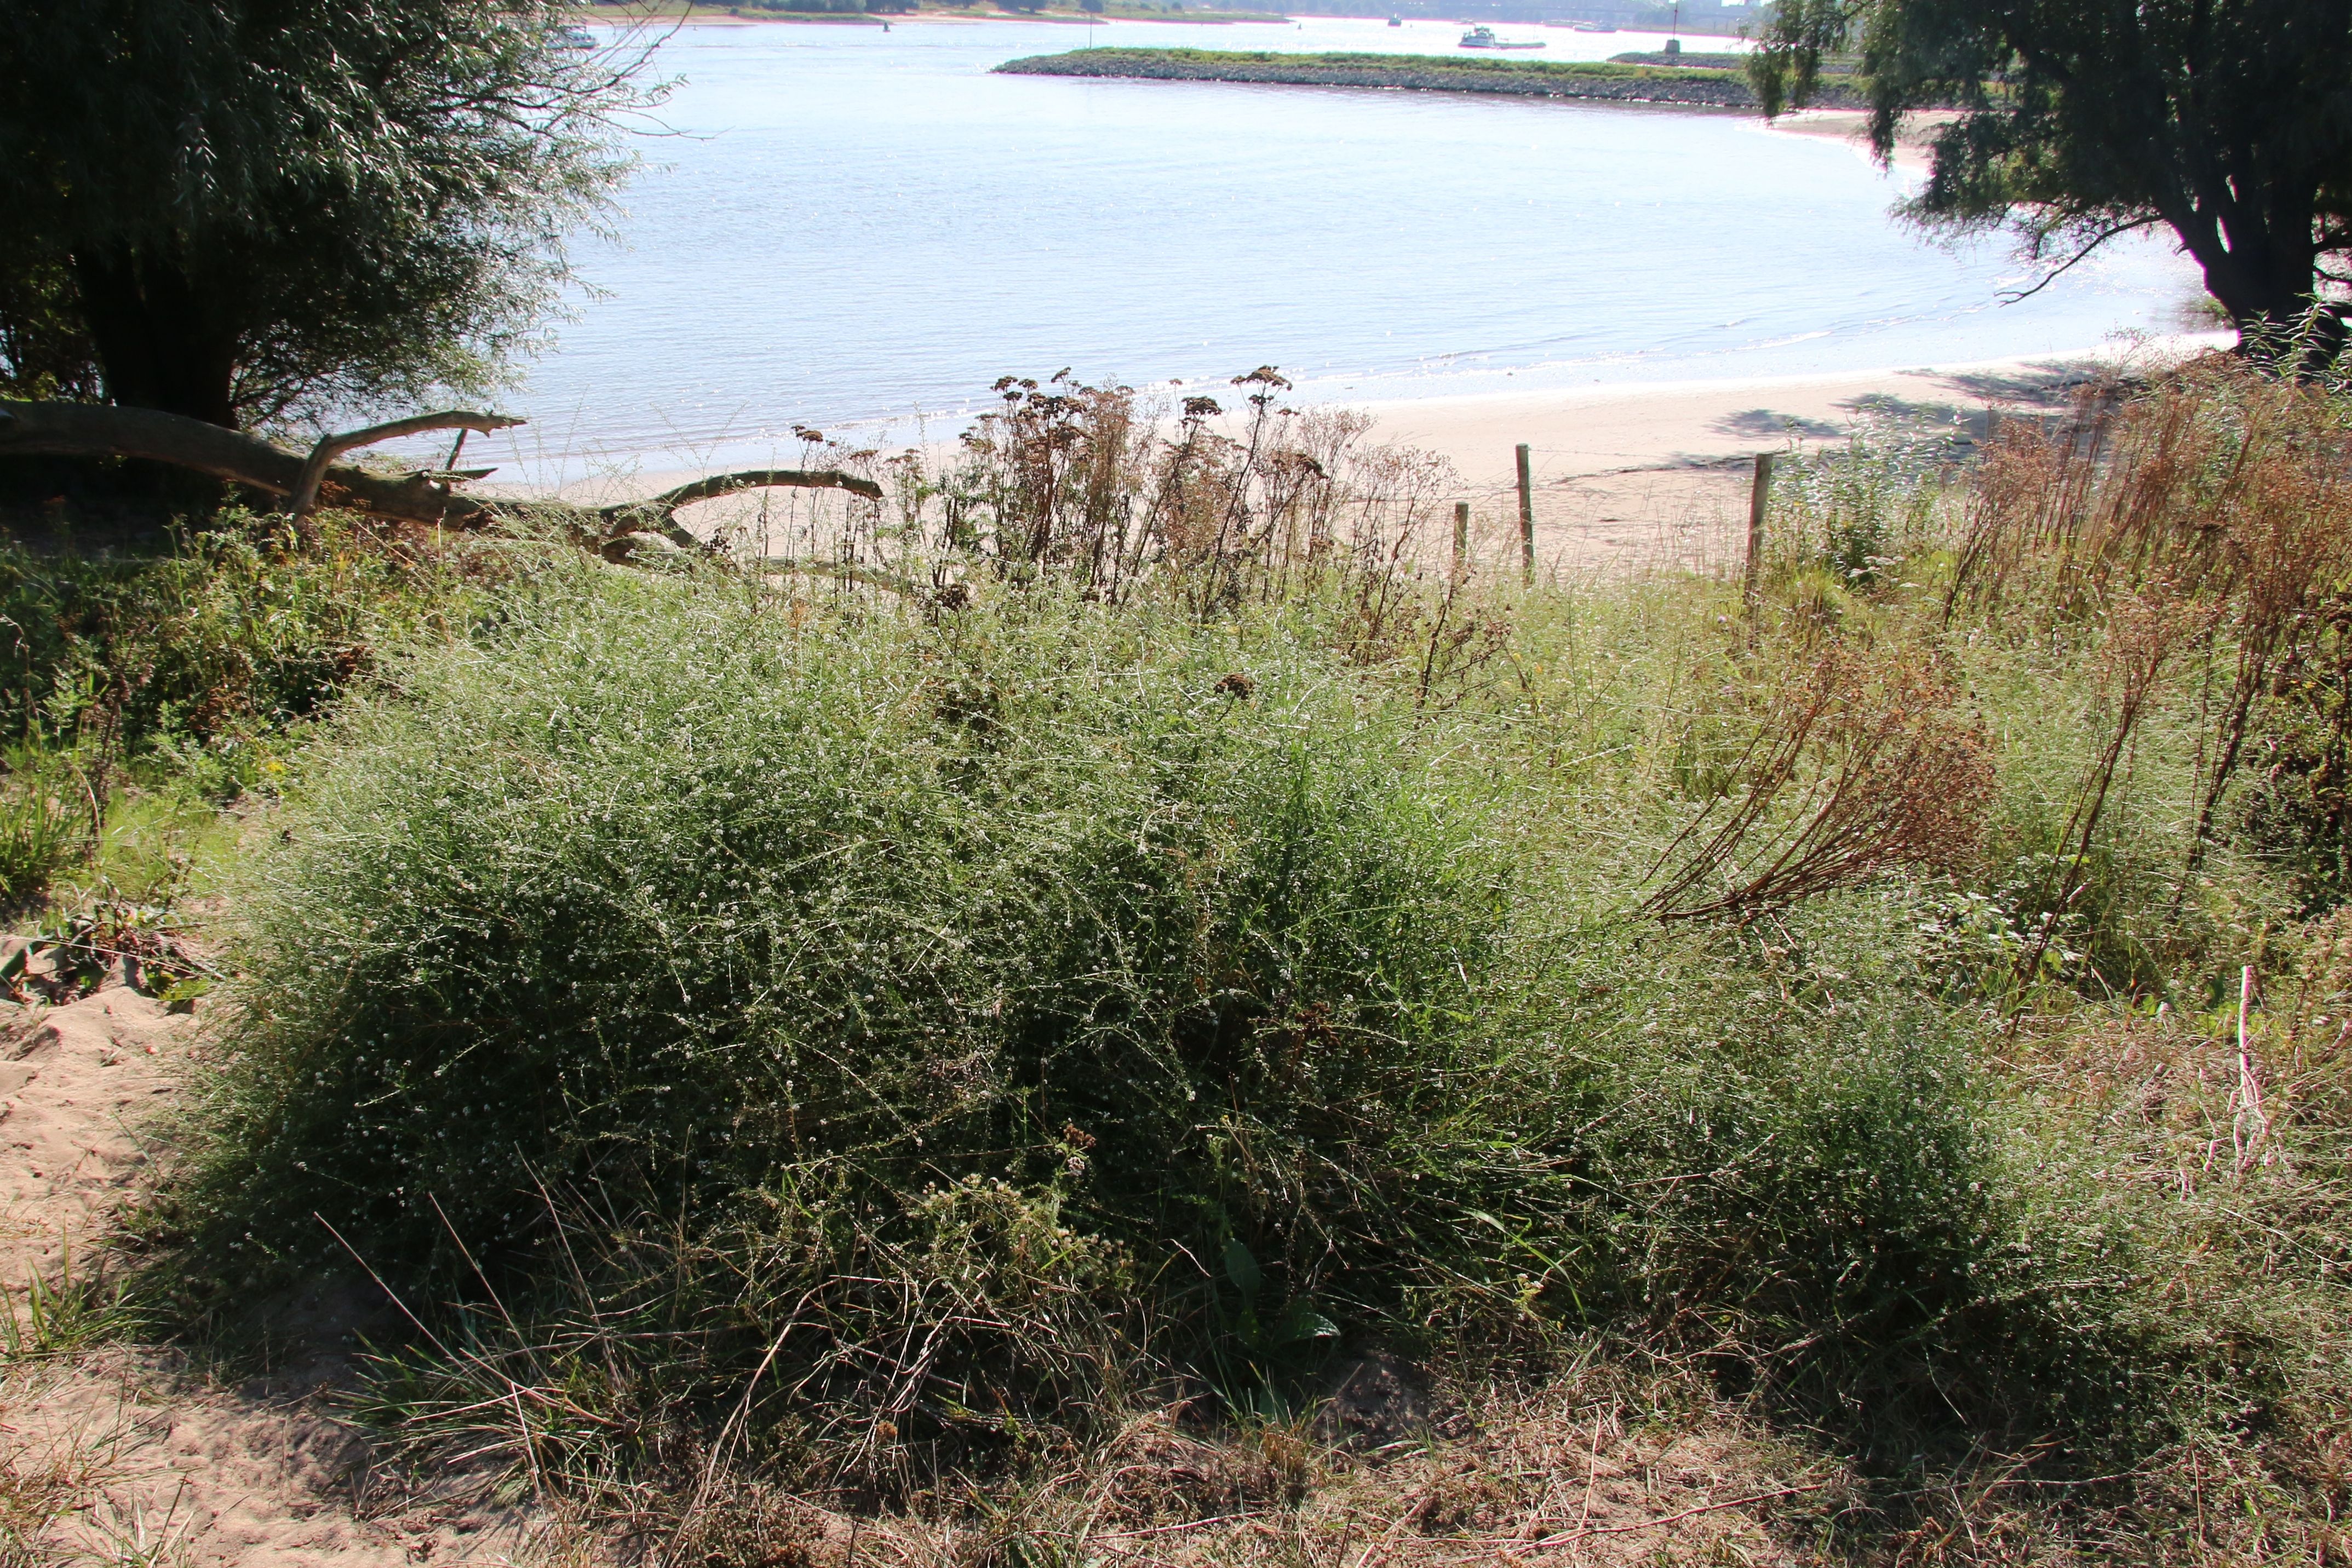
pixel 658 514
pixel 330 447
pixel 101 430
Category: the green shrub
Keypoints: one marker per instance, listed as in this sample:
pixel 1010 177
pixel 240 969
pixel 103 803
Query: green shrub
pixel 806 1023
pixel 198 653
pixel 694 890
pixel 650 893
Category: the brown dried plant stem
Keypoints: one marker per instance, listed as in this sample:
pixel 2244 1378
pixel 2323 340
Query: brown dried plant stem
pixel 1098 486
pixel 1891 778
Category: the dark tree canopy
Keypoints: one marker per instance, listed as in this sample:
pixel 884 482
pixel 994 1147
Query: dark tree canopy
pixel 242 211
pixel 2229 122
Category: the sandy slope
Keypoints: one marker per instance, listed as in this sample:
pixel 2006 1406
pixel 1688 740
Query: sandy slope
pixel 131 1450
pixel 77 1085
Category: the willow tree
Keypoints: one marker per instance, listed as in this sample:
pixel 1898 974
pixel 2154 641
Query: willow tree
pixel 240 211
pixel 2228 123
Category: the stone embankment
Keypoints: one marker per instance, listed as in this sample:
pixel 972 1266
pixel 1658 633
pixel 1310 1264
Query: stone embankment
pixel 1608 81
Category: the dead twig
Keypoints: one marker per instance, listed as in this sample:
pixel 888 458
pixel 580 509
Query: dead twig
pixel 1569 1537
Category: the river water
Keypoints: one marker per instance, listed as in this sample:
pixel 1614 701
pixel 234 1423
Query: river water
pixel 848 224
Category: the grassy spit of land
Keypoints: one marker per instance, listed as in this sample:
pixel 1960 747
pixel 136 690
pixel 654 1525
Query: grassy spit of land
pixel 996 1024
pixel 1709 87
pixel 625 11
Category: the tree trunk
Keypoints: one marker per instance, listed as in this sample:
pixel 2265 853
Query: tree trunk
pixel 2261 264
pixel 156 346
pixel 99 430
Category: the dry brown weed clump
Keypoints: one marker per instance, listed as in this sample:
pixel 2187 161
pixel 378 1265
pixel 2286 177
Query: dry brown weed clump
pixel 2217 509
pixel 1111 490
pixel 1859 765
pixel 1597 1468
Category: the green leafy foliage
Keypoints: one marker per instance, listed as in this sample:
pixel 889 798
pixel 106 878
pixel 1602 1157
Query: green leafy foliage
pixel 2230 124
pixel 237 210
pixel 200 657
pixel 141 691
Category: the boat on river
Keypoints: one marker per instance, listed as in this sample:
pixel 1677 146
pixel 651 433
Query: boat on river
pixel 1484 38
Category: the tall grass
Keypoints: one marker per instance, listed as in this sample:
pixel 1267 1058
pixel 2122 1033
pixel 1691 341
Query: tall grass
pixel 872 1036
pixel 42 828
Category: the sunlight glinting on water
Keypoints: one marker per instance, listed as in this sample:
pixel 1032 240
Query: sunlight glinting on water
pixel 853 226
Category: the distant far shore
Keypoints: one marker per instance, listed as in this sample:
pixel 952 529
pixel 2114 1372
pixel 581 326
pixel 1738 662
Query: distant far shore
pixel 703 13
pixel 722 16
pixel 1699 87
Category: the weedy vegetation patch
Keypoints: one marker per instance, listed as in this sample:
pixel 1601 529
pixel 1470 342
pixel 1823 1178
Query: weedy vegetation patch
pixel 1154 936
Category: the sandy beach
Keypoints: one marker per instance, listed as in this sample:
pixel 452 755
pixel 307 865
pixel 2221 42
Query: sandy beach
pixel 1913 141
pixel 1662 472
pixel 1641 473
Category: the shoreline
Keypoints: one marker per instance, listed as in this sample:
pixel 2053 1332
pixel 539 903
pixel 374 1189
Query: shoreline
pixel 1662 426
pixel 1650 471
pixel 711 16
pixel 1661 473
pixel 1913 139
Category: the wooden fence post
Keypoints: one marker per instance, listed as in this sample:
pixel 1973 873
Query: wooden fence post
pixel 1527 516
pixel 1461 538
pixel 1759 495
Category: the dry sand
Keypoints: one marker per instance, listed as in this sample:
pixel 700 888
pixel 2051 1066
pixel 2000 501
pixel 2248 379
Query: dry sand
pixel 1660 474
pixel 1624 476
pixel 141 1457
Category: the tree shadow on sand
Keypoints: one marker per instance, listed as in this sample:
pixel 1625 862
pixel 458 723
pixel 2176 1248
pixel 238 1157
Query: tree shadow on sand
pixel 1768 423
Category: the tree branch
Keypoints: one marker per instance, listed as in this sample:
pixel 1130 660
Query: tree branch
pixel 660 511
pixel 2063 267
pixel 330 447
pixel 102 430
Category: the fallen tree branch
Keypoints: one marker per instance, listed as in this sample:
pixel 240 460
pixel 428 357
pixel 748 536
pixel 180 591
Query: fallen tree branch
pixel 102 430
pixel 305 494
pixel 660 512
